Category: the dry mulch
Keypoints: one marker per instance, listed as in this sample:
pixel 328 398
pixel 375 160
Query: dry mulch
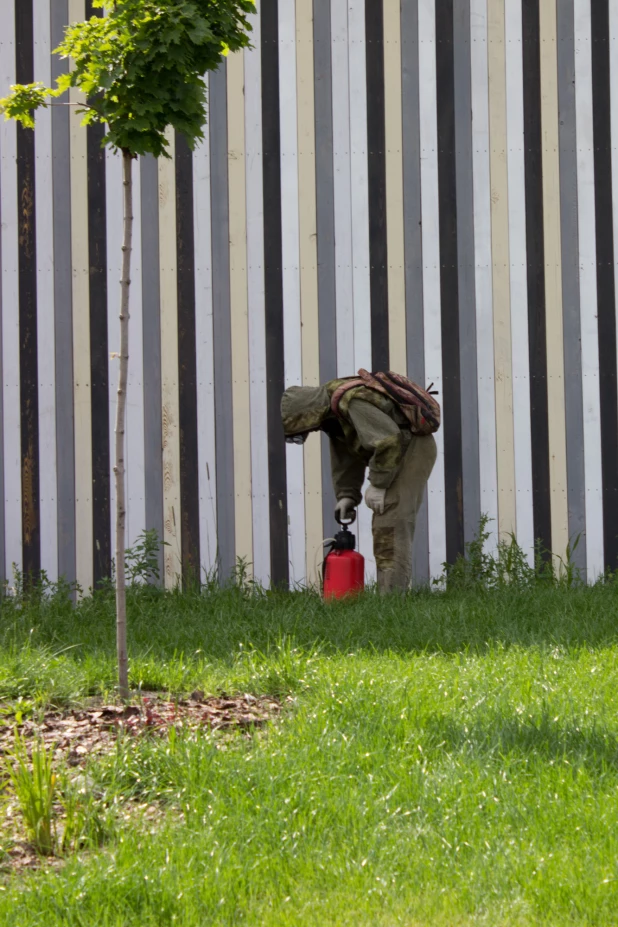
pixel 81 732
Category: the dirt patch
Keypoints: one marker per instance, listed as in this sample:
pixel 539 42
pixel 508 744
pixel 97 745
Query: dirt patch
pixel 74 735
pixel 20 856
pixel 78 733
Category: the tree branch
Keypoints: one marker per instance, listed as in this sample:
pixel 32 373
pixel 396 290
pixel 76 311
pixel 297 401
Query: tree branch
pixel 81 105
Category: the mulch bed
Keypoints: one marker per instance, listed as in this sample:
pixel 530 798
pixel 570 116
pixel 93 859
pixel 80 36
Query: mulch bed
pixel 78 733
pixel 74 735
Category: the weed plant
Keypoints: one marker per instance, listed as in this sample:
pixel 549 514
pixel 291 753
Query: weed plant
pixel 34 783
pixel 60 811
pixel 448 757
pixel 509 566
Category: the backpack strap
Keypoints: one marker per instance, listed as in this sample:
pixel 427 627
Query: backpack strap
pixel 351 383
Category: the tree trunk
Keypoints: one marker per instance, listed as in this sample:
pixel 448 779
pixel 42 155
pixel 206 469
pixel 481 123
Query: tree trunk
pixel 125 282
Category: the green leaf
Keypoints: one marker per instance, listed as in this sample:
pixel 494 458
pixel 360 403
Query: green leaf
pixel 23 101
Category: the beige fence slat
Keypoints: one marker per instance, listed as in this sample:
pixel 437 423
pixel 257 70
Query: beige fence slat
pixel 169 367
pixel 500 268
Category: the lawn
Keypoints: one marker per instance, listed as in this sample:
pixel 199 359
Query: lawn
pixel 441 759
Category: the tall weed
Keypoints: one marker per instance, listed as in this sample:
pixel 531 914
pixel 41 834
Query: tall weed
pixel 60 813
pixel 34 784
pixel 510 566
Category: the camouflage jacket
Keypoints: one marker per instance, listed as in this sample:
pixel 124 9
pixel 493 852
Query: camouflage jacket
pixel 370 431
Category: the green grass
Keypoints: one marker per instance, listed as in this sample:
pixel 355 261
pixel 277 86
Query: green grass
pixel 447 759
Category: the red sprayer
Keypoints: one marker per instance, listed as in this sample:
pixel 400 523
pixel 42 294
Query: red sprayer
pixel 344 568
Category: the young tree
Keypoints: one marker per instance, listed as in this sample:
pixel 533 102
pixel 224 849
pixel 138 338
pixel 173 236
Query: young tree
pixel 141 68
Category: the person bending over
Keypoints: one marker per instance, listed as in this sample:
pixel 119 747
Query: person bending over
pixel 385 423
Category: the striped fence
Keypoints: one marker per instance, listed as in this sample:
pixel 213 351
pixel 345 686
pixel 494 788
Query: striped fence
pixel 424 185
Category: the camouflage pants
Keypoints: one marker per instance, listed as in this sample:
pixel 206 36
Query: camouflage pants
pixel 393 531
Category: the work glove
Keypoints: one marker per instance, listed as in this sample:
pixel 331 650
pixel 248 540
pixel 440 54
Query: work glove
pixel 345 508
pixel 374 498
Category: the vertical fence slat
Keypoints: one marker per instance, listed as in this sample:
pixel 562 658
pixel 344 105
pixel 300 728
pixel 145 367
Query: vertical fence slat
pixel 10 308
pixel 588 292
pixel 431 268
pixel 46 341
